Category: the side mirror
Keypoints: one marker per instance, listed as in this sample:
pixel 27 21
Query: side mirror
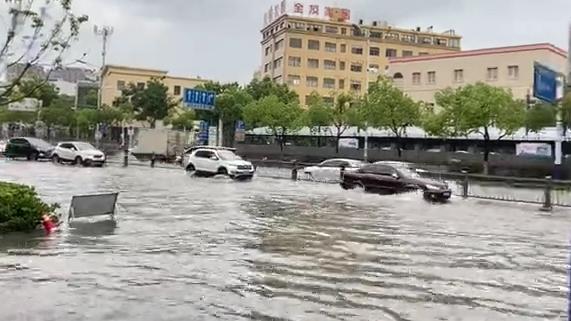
pixel 395 176
pixel 213 157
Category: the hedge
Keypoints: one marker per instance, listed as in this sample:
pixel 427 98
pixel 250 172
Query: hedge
pixel 21 209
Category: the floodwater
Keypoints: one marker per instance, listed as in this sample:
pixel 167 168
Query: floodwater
pixel 189 248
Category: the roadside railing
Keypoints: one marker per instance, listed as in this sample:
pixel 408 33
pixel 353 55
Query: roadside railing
pixel 546 192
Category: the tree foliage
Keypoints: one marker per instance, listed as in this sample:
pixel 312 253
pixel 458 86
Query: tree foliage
pixel 149 104
pixel 39 32
pixel 266 87
pixel 387 107
pixel 540 116
pixel 476 109
pixel 183 120
pixel 280 118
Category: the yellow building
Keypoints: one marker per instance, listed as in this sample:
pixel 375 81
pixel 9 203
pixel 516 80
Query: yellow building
pixel 507 67
pixel 116 78
pixel 329 54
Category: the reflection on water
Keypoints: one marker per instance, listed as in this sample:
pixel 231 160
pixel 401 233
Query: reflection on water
pixel 202 249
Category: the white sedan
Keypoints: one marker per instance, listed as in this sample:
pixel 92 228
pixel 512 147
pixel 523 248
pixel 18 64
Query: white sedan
pixel 330 170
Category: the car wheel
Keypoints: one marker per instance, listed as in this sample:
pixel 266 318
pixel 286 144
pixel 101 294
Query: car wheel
pixel 190 168
pixel 87 163
pixel 346 186
pixel 77 161
pixel 56 159
pixel 222 171
pixel 33 156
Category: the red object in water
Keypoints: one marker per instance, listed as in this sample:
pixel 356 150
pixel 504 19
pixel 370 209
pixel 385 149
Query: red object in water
pixel 48 224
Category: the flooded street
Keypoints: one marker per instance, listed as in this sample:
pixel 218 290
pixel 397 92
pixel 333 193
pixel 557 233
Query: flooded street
pixel 189 248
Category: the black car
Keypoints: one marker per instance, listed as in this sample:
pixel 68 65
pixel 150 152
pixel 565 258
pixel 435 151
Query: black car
pixel 30 148
pixel 392 178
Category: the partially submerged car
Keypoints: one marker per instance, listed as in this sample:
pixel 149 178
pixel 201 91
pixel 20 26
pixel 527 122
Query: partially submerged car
pixel 331 168
pixel 79 153
pixel 210 161
pixel 394 177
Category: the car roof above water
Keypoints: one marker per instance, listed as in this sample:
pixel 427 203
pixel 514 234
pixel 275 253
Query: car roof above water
pixel 192 149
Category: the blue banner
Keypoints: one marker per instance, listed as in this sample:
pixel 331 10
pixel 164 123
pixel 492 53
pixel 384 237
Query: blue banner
pixel 199 99
pixel 544 83
pixel 203 133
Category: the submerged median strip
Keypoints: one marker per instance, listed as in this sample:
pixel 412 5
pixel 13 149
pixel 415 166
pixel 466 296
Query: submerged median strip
pixel 21 209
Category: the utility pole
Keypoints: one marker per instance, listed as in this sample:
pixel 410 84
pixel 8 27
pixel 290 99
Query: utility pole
pixel 105 32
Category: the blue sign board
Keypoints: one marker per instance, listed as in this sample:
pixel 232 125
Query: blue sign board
pixel 203 133
pixel 544 83
pixel 199 99
pixel 240 126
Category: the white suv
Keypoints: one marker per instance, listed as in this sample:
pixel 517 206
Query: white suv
pixel 78 153
pixel 217 160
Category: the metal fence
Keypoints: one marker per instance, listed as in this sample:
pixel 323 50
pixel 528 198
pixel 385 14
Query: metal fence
pixel 545 192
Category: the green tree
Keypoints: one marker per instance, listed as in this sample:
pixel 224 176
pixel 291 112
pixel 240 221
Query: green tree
pixel 183 120
pixel 476 109
pixel 259 89
pixel 281 119
pixel 86 120
pixel 345 113
pixel 39 89
pixel 540 116
pixel 387 107
pixel 151 103
pixel 318 114
pixel 37 32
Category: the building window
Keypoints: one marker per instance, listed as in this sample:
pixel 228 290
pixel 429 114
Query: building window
pixel 432 77
pixel 342 65
pixel 454 43
pixel 357 50
pixel 268 50
pixel 391 53
pixel 407 53
pixel 392 36
pixel 278 79
pixel 376 34
pixel 408 38
pixel 374 51
pixel 315 28
pixel 278 63
pixel 423 53
pixel 343 31
pixel 425 40
pixel 279 44
pixel 293 80
pixel 356 85
pixel 294 61
pixel 459 75
pixel 140 85
pixel 177 90
pixel 343 48
pixel 295 43
pixel 513 72
pixel 329 64
pixel 330 47
pixel 313 44
pixel 267 67
pixel 120 85
pixel 441 42
pixel 342 84
pixel 416 78
pixel 398 75
pixel 329 83
pixel 328 100
pixel 331 29
pixel 374 68
pixel 492 74
pixel 312 82
pixel 312 63
pixel 355 67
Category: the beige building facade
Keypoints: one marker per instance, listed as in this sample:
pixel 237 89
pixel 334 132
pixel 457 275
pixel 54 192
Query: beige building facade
pixel 507 67
pixel 116 78
pixel 332 55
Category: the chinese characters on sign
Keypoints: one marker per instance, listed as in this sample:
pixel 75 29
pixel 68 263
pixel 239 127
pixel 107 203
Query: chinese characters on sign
pixel 312 10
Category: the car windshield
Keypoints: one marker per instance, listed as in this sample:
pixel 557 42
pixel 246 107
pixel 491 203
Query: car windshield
pixel 228 155
pixel 39 143
pixel 84 146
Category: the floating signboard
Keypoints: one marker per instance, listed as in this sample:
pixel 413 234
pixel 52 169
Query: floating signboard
pixel 199 99
pixel 544 83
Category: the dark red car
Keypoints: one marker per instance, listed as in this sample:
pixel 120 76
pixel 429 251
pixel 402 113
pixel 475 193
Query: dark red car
pixel 393 178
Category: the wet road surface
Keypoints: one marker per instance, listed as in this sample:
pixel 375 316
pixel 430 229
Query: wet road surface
pixel 211 249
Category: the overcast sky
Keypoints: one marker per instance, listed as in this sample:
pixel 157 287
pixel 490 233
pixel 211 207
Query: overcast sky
pixel 219 39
